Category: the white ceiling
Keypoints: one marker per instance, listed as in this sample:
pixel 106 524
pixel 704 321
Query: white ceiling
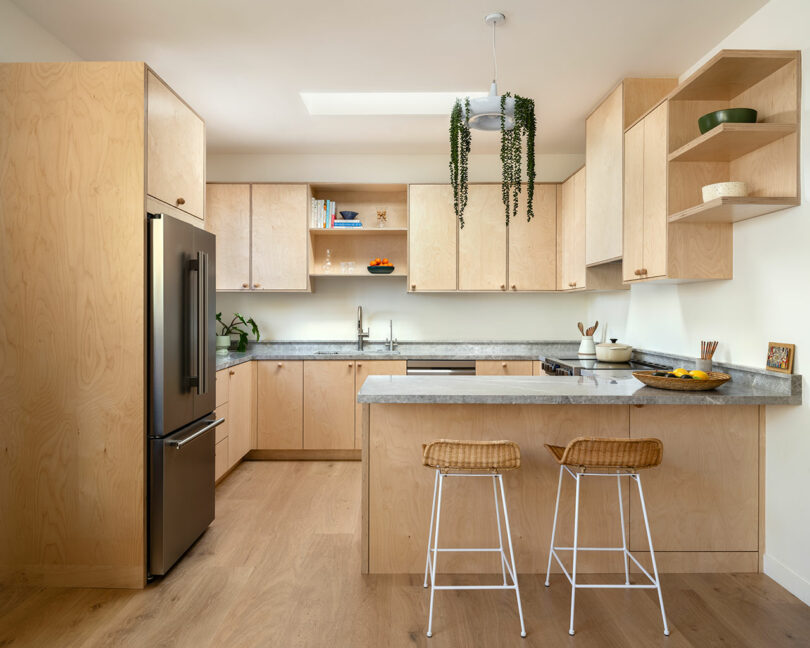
pixel 242 63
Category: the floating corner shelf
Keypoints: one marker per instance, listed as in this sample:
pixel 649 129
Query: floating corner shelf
pixel 729 141
pixel 731 209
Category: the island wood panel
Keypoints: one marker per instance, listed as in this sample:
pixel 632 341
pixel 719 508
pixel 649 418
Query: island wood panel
pixel 228 218
pixel 364 369
pixel 655 193
pixel 432 239
pixel 176 154
pixel 532 263
pixel 329 398
pixel 633 255
pixel 482 241
pixel 72 316
pixel 279 239
pixel 704 496
pixel 604 129
pixel 400 488
pixel 503 367
pixel 280 405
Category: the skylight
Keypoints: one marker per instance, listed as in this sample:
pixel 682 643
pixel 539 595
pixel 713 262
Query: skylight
pixel 383 103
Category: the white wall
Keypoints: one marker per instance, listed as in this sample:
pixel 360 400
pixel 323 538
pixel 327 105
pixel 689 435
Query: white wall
pixel 329 313
pixel 23 40
pixel 766 301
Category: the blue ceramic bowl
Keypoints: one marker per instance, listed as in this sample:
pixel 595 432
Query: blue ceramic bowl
pixel 348 215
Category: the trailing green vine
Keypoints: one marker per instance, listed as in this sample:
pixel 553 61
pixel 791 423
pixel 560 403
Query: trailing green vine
pixel 459 156
pixel 511 156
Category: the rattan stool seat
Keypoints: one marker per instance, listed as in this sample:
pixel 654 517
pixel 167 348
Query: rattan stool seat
pixel 593 452
pixel 492 456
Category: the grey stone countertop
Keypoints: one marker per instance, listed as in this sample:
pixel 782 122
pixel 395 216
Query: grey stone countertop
pixel 486 350
pixel 620 388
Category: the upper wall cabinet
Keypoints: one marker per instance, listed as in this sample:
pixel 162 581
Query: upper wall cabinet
pixel 654 249
pixel 482 241
pixel 763 155
pixel 604 138
pixel 432 239
pixel 176 150
pixel 228 217
pixel 261 232
pixel 572 232
pixel 532 262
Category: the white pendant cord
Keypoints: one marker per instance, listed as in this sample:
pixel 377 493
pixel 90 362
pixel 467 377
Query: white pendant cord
pixel 494 56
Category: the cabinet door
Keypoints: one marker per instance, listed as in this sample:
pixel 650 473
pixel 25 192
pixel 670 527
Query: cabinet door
pixel 655 192
pixel 503 367
pixel 175 163
pixel 221 459
pixel 533 245
pixel 567 240
pixel 365 369
pixel 328 404
pixel 604 130
pixel 280 403
pixel 227 216
pixel 240 405
pixel 482 242
pixel 633 260
pixel 432 238
pixel 578 232
pixel 279 244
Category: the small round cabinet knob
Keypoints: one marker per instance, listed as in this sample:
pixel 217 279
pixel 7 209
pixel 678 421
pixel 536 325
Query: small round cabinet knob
pixel 503 364
pixel 244 285
pixel 644 271
pixel 280 364
pixel 257 285
pixel 637 272
pixel 359 364
pixel 573 284
pixel 231 372
pixel 181 201
pixel 503 286
pixel 514 287
pixel 413 286
pixel 351 364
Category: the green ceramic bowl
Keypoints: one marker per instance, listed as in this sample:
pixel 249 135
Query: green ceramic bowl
pixel 732 115
pixel 380 269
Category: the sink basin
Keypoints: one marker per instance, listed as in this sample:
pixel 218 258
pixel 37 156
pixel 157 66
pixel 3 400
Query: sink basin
pixel 327 352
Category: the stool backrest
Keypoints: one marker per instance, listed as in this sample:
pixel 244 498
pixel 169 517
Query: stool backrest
pixel 613 453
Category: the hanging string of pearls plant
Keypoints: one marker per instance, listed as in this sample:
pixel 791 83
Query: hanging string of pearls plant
pixel 514 117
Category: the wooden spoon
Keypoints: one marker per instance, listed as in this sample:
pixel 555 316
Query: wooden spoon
pixel 581 328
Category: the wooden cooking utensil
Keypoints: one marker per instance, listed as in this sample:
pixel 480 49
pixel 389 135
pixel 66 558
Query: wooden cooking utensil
pixel 581 328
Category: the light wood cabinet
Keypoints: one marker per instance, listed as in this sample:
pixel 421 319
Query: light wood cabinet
pixel 228 218
pixel 503 367
pixel 176 150
pixel 537 368
pixel 279 241
pixel 432 239
pixel 240 407
pixel 482 241
pixel 364 369
pixel 532 263
pixel 280 391
pixel 221 456
pixel 604 161
pixel 329 396
pixel 572 232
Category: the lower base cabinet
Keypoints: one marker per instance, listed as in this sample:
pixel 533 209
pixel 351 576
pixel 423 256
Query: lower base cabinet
pixel 280 407
pixel 236 399
pixel 329 404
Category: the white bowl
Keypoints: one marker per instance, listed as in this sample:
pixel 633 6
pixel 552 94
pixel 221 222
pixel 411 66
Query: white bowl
pixel 724 189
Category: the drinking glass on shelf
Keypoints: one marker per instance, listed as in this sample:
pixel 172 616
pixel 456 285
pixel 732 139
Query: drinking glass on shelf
pixel 382 218
pixel 327 264
pixel 344 267
pixel 350 266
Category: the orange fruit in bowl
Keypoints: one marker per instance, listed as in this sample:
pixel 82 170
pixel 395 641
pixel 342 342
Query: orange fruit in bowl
pixel 385 261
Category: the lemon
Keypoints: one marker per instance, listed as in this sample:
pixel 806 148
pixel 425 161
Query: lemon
pixel 697 374
pixel 680 372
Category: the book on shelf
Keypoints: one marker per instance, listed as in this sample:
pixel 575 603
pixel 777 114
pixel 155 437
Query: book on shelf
pixel 347 223
pixel 322 214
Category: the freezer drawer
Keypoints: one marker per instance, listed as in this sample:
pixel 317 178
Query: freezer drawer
pixel 181 491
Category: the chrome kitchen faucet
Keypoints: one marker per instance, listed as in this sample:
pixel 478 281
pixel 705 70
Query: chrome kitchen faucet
pixel 360 333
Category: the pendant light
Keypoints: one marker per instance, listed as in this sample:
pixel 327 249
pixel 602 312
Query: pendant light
pixel 485 112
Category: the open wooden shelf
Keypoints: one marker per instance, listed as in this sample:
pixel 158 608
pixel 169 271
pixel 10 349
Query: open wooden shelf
pixel 358 231
pixel 728 142
pixel 362 272
pixel 730 73
pixel 731 209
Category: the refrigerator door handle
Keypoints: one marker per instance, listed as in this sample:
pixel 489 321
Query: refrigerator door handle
pixel 202 322
pixel 211 425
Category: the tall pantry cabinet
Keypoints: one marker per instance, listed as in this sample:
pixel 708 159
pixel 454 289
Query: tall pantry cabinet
pixel 85 150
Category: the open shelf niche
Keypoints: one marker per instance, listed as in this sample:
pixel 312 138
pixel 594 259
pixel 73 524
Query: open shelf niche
pixel 369 242
pixel 764 155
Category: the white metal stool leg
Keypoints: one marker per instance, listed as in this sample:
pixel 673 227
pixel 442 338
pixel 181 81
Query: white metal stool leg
pixel 652 553
pixel 511 557
pixel 624 539
pixel 430 535
pixel 574 569
pixel 498 522
pixel 554 526
pixel 435 554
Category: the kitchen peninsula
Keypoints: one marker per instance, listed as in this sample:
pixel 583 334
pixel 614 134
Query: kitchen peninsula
pixel 706 500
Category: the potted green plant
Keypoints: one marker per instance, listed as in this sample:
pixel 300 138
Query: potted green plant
pixel 234 328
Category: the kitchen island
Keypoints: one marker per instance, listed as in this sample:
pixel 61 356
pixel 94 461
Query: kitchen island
pixel 705 501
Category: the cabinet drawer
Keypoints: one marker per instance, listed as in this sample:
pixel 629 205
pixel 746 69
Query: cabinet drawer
pixel 221 458
pixel 503 367
pixel 222 430
pixel 221 385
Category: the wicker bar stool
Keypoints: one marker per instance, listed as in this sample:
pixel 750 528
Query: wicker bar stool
pixel 471 459
pixel 606 458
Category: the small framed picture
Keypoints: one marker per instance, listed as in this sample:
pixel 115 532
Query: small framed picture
pixel 780 357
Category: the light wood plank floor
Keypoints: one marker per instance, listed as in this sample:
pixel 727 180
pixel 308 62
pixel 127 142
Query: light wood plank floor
pixel 280 566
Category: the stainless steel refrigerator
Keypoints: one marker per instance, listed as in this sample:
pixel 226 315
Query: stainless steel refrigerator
pixel 181 435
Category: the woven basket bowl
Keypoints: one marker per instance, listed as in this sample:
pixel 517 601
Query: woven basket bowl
pixel 679 384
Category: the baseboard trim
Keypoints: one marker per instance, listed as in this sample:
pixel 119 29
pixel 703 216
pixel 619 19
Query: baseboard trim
pixel 787 578
pixel 304 455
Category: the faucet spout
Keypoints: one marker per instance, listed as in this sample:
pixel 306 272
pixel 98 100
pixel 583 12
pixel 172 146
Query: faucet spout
pixel 361 335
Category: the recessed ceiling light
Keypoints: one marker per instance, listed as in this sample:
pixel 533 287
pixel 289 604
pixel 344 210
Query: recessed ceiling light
pixel 382 103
